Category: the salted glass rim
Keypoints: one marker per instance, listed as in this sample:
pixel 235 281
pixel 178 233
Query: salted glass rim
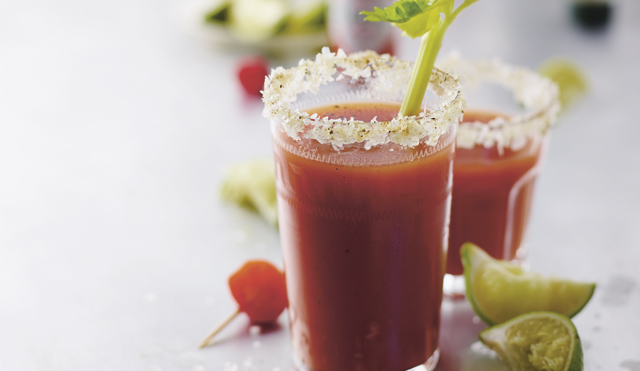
pixel 537 94
pixel 385 76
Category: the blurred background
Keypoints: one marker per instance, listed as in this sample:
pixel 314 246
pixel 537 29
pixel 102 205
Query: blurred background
pixel 118 122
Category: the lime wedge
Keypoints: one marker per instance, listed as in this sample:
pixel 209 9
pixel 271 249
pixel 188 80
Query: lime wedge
pixel 538 341
pixel 252 185
pixel 571 81
pixel 499 290
pixel 257 20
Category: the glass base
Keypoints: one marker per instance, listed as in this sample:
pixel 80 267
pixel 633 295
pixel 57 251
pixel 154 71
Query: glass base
pixel 430 365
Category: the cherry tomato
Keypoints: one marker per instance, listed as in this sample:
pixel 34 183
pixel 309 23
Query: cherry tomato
pixel 260 290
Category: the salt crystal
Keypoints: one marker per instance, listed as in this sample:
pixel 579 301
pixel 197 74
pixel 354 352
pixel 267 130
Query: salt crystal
pixel 190 359
pixel 481 349
pixel 254 330
pixel 248 363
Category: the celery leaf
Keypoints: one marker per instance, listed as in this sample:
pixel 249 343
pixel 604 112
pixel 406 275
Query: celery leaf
pixel 414 17
pixel 428 19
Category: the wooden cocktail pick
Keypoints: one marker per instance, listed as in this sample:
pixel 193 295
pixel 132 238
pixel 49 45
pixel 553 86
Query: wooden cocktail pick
pixel 260 290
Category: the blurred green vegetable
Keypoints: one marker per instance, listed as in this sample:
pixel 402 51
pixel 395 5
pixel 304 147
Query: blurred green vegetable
pixel 252 185
pixel 258 20
pixel 219 13
pixel 571 81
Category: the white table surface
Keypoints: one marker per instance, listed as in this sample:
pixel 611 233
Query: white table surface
pixel 117 125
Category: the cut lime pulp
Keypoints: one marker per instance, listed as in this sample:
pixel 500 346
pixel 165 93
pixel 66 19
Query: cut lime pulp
pixel 538 341
pixel 499 290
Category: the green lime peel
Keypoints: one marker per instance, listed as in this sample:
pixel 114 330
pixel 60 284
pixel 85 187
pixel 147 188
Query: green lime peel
pixel 428 19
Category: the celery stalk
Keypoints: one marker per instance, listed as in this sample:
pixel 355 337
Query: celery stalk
pixel 421 73
pixel 428 19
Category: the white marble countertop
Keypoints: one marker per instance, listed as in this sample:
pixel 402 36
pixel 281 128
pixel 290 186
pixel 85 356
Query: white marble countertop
pixel 117 124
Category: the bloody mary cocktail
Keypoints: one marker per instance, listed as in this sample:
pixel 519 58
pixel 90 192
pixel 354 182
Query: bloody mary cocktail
pixel 498 157
pixel 363 222
pixel 492 196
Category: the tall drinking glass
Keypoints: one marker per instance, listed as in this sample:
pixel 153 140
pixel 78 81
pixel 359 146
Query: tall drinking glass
pixel 363 203
pixel 500 146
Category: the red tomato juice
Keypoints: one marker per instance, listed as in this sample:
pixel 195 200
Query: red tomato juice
pixel 492 195
pixel 364 239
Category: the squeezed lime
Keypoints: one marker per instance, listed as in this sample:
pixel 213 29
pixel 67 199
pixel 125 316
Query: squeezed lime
pixel 538 341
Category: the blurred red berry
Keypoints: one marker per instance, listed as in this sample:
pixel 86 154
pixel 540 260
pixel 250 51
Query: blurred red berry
pixel 251 72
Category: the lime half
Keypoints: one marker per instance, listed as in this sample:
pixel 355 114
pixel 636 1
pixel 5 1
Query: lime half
pixel 572 83
pixel 499 290
pixel 538 341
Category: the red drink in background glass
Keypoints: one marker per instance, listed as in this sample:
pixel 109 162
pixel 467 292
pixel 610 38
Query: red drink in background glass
pixel 364 198
pixel 498 157
pixel 492 195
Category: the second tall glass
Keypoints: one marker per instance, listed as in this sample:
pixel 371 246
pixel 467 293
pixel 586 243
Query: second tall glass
pixel 500 146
